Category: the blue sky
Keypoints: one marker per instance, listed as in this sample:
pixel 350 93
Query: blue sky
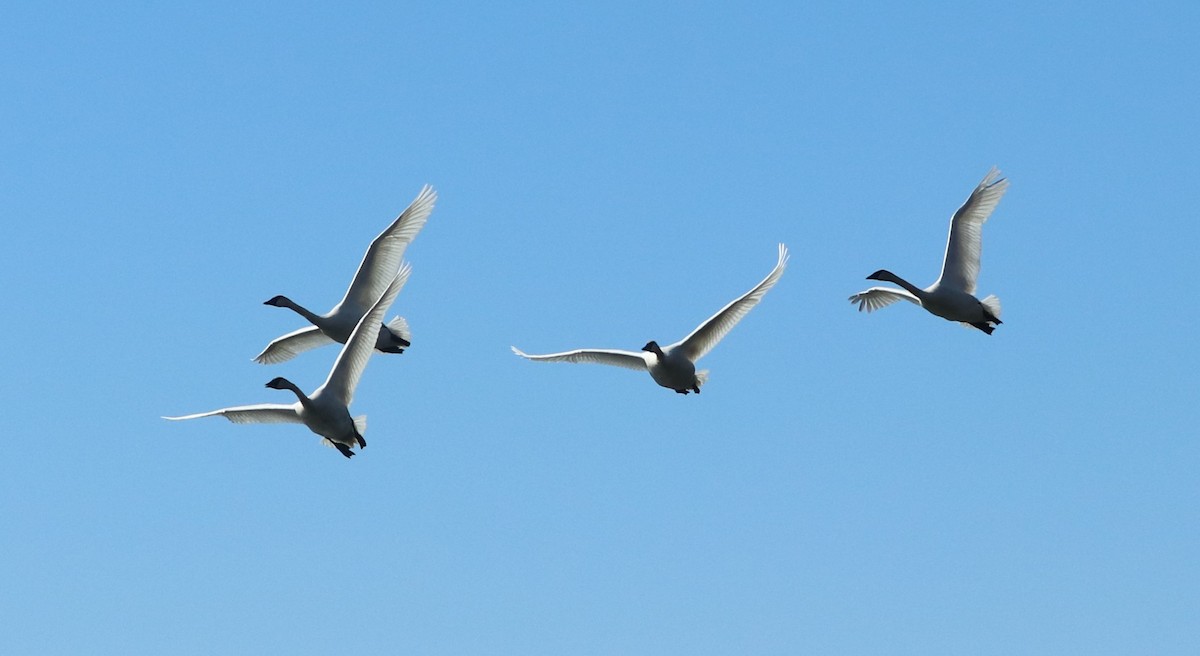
pixel 847 483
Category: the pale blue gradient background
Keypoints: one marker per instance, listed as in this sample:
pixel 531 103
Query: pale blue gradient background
pixel 846 484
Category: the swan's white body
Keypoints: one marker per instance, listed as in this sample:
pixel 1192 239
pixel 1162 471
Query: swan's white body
pixel 674 366
pixel 376 270
pixel 326 411
pixel 952 295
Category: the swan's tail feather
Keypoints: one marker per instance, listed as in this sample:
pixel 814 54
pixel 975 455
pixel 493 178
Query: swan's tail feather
pixel 399 326
pixel 992 305
pixel 701 377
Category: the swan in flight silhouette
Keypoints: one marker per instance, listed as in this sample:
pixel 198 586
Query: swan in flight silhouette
pixel 674 366
pixel 952 295
pixel 377 269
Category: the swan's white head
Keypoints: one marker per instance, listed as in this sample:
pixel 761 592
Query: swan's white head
pixel 652 346
pixel 279 383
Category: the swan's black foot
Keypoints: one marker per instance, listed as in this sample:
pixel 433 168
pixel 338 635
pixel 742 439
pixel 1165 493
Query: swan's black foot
pixel 696 389
pixel 362 444
pixel 344 449
pixel 682 391
pixel 984 326
pixel 392 349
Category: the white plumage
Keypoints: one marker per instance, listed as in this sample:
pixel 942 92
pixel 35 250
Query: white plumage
pixel 674 366
pixel 952 295
pixel 326 411
pixel 376 270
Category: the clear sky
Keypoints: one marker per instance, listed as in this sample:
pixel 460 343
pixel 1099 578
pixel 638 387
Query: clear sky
pixel 608 174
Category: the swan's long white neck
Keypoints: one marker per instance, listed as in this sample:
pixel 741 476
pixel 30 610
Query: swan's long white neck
pixel 314 319
pixel 888 276
pixel 289 385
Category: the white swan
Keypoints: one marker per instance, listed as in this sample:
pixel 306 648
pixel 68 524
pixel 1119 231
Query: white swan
pixel 377 269
pixel 674 366
pixel 326 411
pixel 952 295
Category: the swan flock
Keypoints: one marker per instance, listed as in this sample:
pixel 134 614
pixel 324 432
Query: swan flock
pixel 356 322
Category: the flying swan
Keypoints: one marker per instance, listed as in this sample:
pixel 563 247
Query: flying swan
pixel 952 295
pixel 326 411
pixel 674 366
pixel 377 269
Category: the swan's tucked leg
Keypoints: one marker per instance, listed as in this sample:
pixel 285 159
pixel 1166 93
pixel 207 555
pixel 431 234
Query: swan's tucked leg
pixel 344 449
pixel 984 326
pixel 396 343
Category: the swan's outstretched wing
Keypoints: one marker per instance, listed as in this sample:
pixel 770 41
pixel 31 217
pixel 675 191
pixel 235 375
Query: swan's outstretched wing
pixel 706 336
pixel 263 413
pixel 614 357
pixel 961 265
pixel 382 259
pixel 351 362
pixel 876 297
pixel 292 344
